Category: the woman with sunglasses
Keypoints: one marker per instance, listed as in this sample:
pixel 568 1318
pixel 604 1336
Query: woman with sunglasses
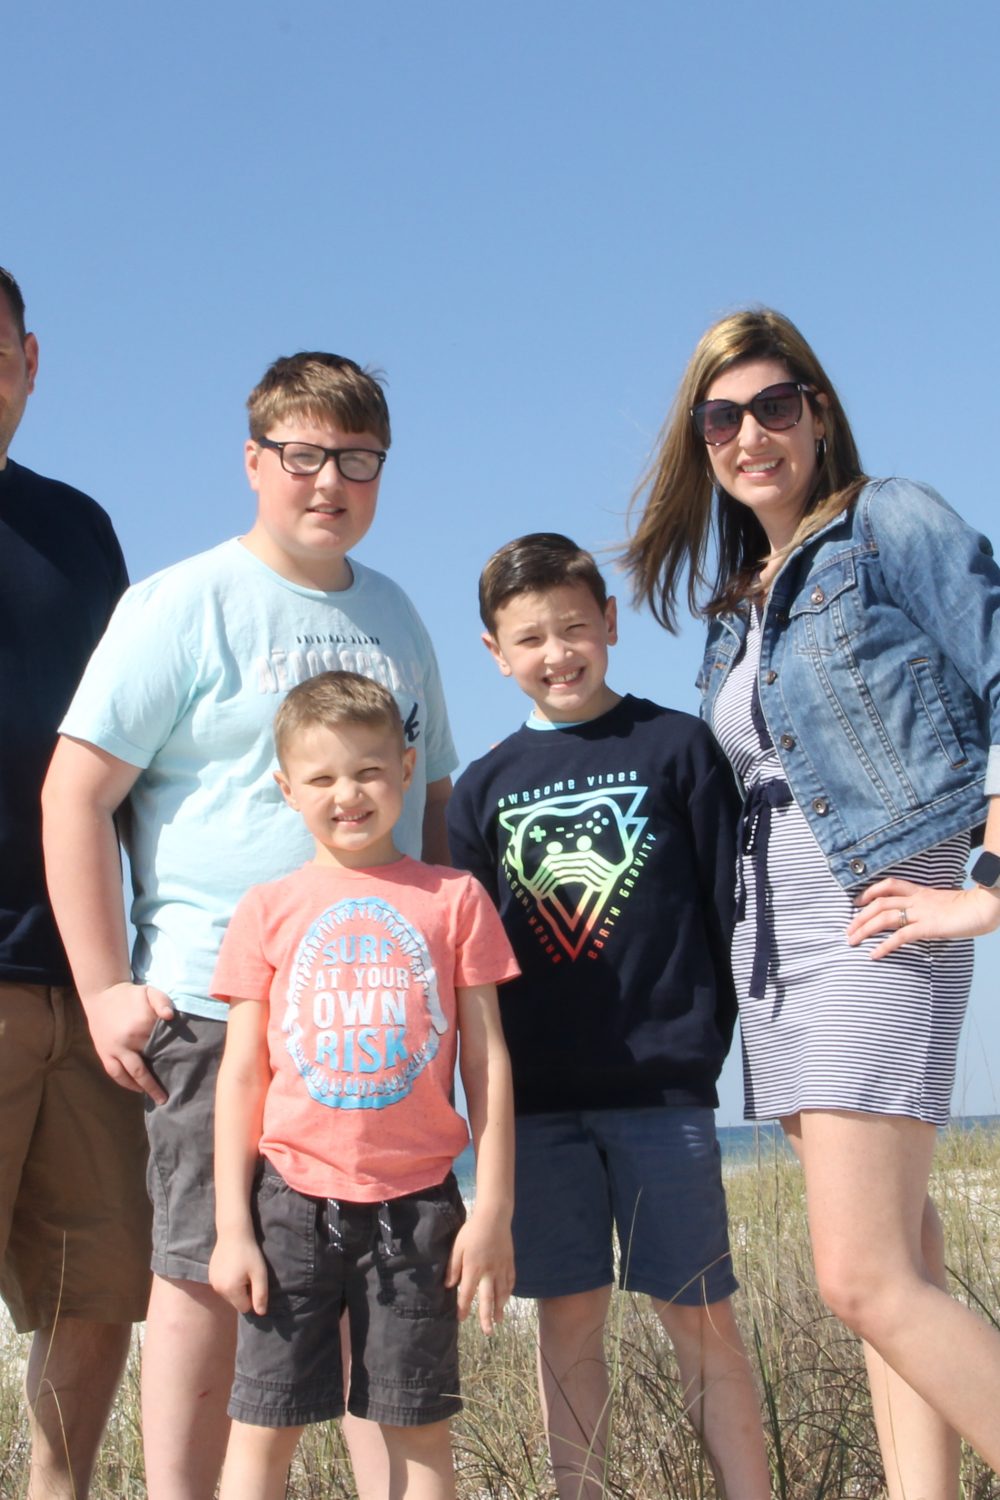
pixel 852 676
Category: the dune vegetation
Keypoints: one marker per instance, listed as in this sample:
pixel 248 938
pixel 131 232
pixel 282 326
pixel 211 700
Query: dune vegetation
pixel 811 1375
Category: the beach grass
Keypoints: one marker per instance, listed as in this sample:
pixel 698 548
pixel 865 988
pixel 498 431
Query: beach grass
pixel 811 1375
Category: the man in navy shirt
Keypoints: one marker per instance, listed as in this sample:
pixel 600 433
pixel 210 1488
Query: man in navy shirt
pixel 74 1216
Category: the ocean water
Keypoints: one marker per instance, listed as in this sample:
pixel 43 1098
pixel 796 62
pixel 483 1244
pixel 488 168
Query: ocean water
pixel 741 1146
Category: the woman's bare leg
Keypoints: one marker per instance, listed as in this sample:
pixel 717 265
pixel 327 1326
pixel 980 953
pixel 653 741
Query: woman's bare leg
pixel 933 1448
pixel 866 1184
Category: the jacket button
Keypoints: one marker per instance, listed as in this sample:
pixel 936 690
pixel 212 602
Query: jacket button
pixel 858 866
pixel 821 806
pixel 786 742
pixel 770 676
pixel 817 596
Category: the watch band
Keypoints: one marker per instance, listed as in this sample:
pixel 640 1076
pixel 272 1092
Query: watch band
pixel 986 870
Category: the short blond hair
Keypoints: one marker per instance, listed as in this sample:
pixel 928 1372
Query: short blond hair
pixel 320 387
pixel 331 699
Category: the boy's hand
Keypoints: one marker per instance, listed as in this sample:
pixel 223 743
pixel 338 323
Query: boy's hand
pixel 482 1258
pixel 121 1019
pixel 238 1272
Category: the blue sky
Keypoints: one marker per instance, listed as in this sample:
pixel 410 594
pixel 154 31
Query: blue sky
pixel 525 214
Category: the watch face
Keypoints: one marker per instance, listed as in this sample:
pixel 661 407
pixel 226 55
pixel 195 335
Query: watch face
pixel 986 870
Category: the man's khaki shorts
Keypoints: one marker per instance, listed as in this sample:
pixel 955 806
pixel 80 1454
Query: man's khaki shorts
pixel 74 1213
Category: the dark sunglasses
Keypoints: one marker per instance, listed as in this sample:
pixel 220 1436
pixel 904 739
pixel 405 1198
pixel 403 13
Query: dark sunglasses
pixel 776 407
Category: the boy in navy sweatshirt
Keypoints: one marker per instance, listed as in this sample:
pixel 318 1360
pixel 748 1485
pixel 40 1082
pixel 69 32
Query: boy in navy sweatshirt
pixel 604 830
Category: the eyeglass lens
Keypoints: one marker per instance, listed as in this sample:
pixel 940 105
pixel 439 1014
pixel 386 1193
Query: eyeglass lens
pixel 352 463
pixel 775 408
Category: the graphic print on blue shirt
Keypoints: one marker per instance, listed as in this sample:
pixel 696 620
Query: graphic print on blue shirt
pixel 576 859
pixel 339 651
pixel 363 1015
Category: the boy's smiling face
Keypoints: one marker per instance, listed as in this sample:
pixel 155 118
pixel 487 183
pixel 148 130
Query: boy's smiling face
pixel 555 646
pixel 347 783
pixel 307 523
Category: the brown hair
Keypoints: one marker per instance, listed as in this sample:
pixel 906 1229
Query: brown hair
pixel 334 698
pixel 15 301
pixel 677 523
pixel 319 386
pixel 533 564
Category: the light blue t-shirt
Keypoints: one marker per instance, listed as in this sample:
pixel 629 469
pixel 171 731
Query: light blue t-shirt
pixel 185 684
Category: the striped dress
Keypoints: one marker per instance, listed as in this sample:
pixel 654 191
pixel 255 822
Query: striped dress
pixel 823 1026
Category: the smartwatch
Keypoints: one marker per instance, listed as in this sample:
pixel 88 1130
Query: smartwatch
pixel 986 871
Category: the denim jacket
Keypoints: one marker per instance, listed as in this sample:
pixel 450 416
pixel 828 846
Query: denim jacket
pixel 880 677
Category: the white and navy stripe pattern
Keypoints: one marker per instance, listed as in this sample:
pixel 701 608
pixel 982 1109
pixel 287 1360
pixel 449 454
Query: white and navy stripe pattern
pixel 832 1029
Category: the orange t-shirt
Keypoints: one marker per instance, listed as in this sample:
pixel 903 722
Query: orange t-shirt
pixel 360 969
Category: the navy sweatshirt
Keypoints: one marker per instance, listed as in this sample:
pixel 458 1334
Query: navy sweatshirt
pixel 609 848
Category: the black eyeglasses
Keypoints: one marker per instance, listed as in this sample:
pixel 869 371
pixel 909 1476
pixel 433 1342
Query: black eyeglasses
pixel 776 407
pixel 358 464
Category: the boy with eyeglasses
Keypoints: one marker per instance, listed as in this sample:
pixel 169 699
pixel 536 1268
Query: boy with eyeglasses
pixel 604 828
pixel 170 735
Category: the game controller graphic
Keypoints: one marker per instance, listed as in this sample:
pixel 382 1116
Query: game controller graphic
pixel 570 853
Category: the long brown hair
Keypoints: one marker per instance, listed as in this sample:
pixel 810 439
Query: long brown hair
pixel 677 525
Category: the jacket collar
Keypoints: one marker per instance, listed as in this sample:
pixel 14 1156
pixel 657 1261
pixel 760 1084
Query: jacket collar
pixel 735 622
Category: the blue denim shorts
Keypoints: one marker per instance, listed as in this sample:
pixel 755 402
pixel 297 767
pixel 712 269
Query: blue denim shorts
pixel 385 1264
pixel 652 1175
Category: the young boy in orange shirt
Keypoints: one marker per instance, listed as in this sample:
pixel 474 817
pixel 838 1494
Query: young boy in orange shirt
pixel 349 983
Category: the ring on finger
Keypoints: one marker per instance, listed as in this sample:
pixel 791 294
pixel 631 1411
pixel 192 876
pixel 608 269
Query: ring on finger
pixel 904 916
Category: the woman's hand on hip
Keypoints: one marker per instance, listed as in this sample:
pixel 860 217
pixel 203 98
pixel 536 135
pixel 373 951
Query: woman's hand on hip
pixel 910 913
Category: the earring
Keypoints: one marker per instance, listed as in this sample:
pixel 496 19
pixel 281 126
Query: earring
pixel 820 452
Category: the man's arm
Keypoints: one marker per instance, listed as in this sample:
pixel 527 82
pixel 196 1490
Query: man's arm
pixel 483 1254
pixel 435 832
pixel 84 788
pixel 237 1269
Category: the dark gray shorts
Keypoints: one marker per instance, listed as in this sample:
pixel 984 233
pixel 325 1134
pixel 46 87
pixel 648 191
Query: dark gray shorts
pixel 184 1054
pixel 385 1264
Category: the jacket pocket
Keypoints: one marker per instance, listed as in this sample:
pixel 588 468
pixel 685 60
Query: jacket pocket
pixel 826 613
pixel 933 698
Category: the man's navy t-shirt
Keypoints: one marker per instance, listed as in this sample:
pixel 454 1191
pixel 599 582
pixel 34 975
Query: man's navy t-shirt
pixel 61 574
